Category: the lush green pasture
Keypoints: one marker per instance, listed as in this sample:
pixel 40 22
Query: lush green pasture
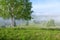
pixel 29 34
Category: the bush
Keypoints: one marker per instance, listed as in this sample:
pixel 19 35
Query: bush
pixel 51 23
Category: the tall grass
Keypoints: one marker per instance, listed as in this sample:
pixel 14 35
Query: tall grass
pixel 29 34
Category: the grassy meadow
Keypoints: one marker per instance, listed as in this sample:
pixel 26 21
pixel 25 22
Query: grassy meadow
pixel 29 33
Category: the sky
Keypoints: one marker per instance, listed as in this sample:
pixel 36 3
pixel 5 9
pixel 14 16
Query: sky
pixel 46 7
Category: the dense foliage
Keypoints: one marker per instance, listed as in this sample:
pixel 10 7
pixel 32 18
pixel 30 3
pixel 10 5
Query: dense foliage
pixel 27 34
pixel 15 9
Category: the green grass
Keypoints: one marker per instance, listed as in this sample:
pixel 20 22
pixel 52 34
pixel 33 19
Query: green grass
pixel 29 34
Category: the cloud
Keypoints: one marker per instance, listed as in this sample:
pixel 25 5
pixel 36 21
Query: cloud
pixel 47 8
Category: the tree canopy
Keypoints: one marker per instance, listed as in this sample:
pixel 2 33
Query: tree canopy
pixel 15 9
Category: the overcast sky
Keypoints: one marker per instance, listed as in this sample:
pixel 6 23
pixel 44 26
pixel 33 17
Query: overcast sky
pixel 46 7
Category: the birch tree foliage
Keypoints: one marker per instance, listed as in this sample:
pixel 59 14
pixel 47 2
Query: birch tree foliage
pixel 15 9
pixel 9 7
pixel 20 8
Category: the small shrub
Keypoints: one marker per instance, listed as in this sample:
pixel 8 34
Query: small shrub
pixel 51 23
